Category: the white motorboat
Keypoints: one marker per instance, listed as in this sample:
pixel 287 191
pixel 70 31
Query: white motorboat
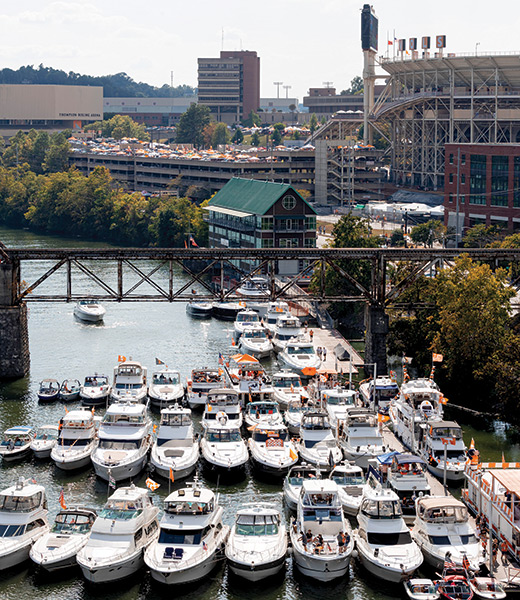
pixel 272 451
pixel 76 440
pixel 69 390
pixel 317 444
pixel 294 414
pixel 16 443
pixel 321 537
pixel 254 341
pixel 419 402
pixel 95 391
pixel 274 311
pixel 301 357
pixel 360 437
pixel 200 383
pixel 199 309
pixel 44 440
pixel 123 443
pixel 254 288
pixel 257 545
pixel 191 538
pixel 176 450
pixel 249 378
pixel 23 519
pixel 383 541
pixel 351 482
pixel 90 311
pixel 488 588
pixel 338 401
pixel 227 311
pixel 129 383
pixel 222 405
pixel 286 328
pixel 442 525
pixel 246 318
pixel 165 388
pixel 122 531
pixel 264 414
pixel 58 548
pixel 288 388
pixel 292 484
pixel 439 440
pixel 49 390
pixel 421 589
pixel 223 448
pixel 378 395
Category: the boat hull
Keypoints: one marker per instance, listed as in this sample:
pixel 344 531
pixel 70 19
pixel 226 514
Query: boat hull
pixel 187 575
pixel 113 571
pixel 320 567
pixel 120 472
pixel 72 464
pixel 387 573
pixel 258 571
pixel 16 557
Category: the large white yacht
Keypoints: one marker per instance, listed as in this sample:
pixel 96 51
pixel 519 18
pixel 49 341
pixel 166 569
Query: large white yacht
pixel 262 414
pixel 338 401
pixel 300 357
pixel 95 391
pixel 254 288
pixel 294 414
pixel 384 544
pixel 315 536
pixel 246 318
pixel 200 383
pixel 287 327
pixel 129 382
pixel 360 437
pixel 255 341
pixel 257 545
pixel 223 448
pixel 351 482
pixel 441 526
pixel 58 548
pixel 272 450
pixel 123 443
pixel 288 388
pixel 122 531
pixel 165 388
pixel 176 449
pixel 76 440
pixel 378 394
pixel 191 538
pixel 317 444
pixel 249 378
pixel 439 439
pixel 292 484
pixel 222 403
pixel 273 312
pixel 23 519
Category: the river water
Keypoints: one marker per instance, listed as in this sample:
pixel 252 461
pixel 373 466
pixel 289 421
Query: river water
pixel 62 347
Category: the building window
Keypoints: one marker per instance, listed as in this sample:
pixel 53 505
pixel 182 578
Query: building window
pixel 289 202
pixel 477 179
pixel 462 198
pixel 462 159
pixel 310 223
pixel 451 159
pixel 463 179
pixel 310 242
pixel 267 243
pixel 499 180
pixel 451 178
pixel 450 198
pixel 267 223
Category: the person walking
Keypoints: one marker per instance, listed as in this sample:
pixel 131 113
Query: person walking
pixel 324 353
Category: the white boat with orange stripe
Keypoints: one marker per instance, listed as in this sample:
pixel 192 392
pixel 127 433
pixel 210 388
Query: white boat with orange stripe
pixel 272 450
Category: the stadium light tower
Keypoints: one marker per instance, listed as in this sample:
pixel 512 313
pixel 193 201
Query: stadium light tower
pixel 287 88
pixel 369 27
pixel 277 84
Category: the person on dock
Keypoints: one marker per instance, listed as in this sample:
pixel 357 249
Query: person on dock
pixel 504 550
pixel 324 353
pixel 494 549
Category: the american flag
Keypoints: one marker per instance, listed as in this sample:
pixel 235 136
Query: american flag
pixel 449 564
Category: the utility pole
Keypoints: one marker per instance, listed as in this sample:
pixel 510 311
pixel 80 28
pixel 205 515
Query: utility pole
pixel 328 84
pixel 287 88
pixel 277 84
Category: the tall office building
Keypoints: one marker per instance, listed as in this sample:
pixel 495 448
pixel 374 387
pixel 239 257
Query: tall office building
pixel 230 85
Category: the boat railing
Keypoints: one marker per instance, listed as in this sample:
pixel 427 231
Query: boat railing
pixel 254 556
pixel 183 562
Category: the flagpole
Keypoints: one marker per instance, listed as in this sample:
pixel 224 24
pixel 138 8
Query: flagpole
pixel 108 487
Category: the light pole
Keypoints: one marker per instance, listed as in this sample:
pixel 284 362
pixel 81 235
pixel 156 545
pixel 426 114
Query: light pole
pixel 476 48
pixel 277 84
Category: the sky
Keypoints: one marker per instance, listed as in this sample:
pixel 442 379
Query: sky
pixel 302 43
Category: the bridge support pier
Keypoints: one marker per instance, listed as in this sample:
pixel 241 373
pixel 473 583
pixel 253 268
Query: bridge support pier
pixel 376 330
pixel 14 335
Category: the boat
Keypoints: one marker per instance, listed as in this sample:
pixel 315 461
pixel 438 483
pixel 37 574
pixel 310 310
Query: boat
pixel 440 439
pixel 274 311
pixel 227 311
pixel 165 388
pixel 76 440
pixel 90 311
pixel 288 388
pixel 454 584
pixel 488 588
pixel 286 328
pixel 255 341
pixel 254 288
pixel 222 405
pixel 315 535
pixel 223 448
pixel 69 390
pixel 338 401
pixel 49 390
pixel 421 589
pixel 44 440
pixel 272 451
pixel 199 309
pixel 122 531
pixel 23 519
pixel 200 383
pixel 191 539
pixel 385 547
pixel 377 395
pixel 293 482
pixel 95 391
pixel 257 545
pixel 124 440
pixel 248 377
pixel 246 318
pixel 317 444
pixel 360 437
pixel 351 482
pixel 129 382
pixel 264 413
pixel 16 443
pixel 57 549
pixel 175 452
pixel 442 525
pixel 294 414
pixel 300 356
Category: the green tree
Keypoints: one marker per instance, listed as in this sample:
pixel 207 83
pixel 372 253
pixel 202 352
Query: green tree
pixel 57 154
pixel 118 127
pixel 397 238
pixel 313 122
pixel 255 139
pixel 480 236
pixel 192 123
pixel 503 369
pixel 252 120
pixel 428 233
pixel 220 135
pixel 238 138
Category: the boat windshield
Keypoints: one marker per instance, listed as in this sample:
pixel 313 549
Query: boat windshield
pixel 315 422
pixel 287 382
pixel 46 434
pixel 263 436
pixel 166 378
pixel 340 400
pixel 176 537
pixel 128 386
pixel 248 318
pixel 446 432
pixel 16 440
pixel 298 408
pixel 262 409
pixel 451 455
pixel 322 514
pixel 257 525
pixel 124 419
pixel 74 442
pixel 175 419
pixel 188 507
pixel 20 503
pixel 255 334
pixel 121 510
pixel 11 530
pixel 120 444
pixel 378 538
pixel 223 436
pixel 129 370
pixel 95 381
pixel 381 509
pixel 343 479
pixel 444 514
pixel 298 477
pixel 71 523
pixel 223 399
pixel 300 350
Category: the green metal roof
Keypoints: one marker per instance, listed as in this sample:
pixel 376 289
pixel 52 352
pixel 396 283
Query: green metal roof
pixel 250 195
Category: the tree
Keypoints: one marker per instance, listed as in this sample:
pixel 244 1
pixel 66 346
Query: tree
pixel 428 233
pixel 220 135
pixel 255 139
pixel 313 122
pixel 118 127
pixel 238 138
pixel 252 120
pixel 356 87
pixel 192 123
pixel 480 236
pixel 57 155
pixel 397 238
pixel 277 135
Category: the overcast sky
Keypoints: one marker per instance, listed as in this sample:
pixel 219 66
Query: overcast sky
pixel 300 42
